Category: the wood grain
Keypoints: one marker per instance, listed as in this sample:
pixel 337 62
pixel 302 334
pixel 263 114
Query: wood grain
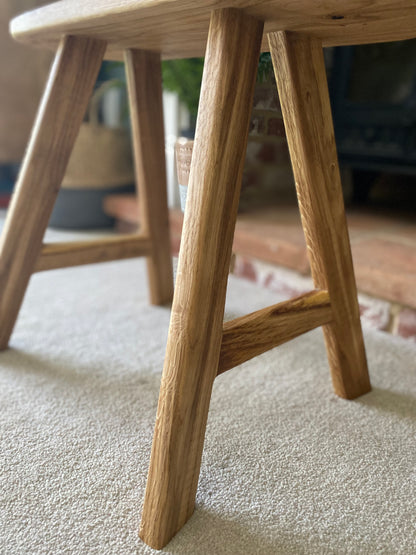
pixel 256 333
pixel 195 332
pixel 65 99
pixel 303 91
pixel 76 253
pixel 178 28
pixel 144 82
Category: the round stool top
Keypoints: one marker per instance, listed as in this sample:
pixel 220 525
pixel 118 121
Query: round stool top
pixel 179 28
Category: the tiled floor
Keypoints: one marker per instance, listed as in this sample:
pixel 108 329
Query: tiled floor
pixel 268 241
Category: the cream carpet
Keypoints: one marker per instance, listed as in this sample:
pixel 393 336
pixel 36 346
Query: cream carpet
pixel 287 467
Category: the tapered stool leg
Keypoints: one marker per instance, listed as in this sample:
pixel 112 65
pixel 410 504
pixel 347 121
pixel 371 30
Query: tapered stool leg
pixel 303 91
pixel 198 306
pixel 145 94
pixel 63 106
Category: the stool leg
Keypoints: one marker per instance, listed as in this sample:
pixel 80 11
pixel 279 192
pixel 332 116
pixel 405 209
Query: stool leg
pixel 195 332
pixel 145 94
pixel 301 78
pixel 63 106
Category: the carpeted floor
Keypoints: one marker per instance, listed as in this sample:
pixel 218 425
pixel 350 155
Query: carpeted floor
pixel 287 467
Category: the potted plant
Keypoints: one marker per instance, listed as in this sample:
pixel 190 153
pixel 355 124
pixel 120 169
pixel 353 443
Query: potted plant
pixel 101 162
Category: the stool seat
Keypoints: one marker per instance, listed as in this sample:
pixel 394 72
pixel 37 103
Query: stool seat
pixel 179 28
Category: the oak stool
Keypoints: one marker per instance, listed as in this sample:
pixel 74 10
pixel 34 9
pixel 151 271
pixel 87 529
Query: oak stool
pixel 231 33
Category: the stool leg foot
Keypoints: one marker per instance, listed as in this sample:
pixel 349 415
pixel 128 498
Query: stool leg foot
pixel 198 306
pixel 63 106
pixel 301 78
pixel 145 94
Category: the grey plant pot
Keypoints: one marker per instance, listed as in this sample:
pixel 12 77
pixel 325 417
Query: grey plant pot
pixel 83 208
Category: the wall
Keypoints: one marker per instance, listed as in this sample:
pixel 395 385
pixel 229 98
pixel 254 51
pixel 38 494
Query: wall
pixel 23 72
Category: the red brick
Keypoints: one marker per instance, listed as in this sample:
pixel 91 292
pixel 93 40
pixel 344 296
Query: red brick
pixel 282 288
pixel 275 127
pixel 266 98
pixel 275 152
pixel 251 178
pixel 386 269
pixel 267 153
pixel 282 153
pixel 121 226
pixel 252 151
pixel 123 207
pixel 406 323
pixel 274 242
pixel 244 267
pixel 257 125
pixel 374 313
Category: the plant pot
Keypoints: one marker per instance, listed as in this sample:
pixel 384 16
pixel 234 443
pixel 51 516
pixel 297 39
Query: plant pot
pixel 183 153
pixel 83 208
pixel 100 164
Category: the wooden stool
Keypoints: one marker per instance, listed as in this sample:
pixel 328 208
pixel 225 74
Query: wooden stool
pixel 199 346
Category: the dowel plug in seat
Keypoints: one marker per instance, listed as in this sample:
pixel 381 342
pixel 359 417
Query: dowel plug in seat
pixel 231 34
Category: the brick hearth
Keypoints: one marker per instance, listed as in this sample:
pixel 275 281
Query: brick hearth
pixel 270 250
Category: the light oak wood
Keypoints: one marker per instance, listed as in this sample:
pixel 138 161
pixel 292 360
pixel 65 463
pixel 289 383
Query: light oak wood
pixel 199 346
pixel 178 28
pixel 76 253
pixel 256 333
pixel 144 81
pixel 195 332
pixel 303 91
pixel 64 102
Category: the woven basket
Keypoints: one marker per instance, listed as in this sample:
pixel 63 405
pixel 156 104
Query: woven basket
pixel 102 156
